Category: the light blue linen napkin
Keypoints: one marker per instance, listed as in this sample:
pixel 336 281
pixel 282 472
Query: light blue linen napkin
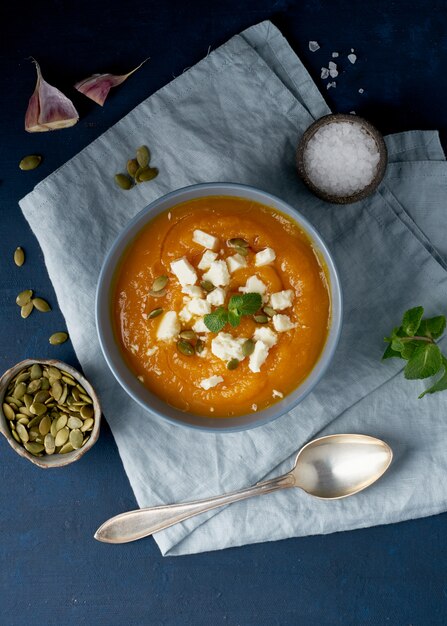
pixel 237 116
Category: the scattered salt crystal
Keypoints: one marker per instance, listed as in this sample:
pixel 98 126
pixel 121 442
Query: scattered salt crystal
pixel 361 90
pixel 332 66
pixel 341 158
pixel 333 84
pixel 333 73
pixel 352 58
pixel 352 112
pixel 313 46
pixel 324 72
pixel 335 55
pixel 352 49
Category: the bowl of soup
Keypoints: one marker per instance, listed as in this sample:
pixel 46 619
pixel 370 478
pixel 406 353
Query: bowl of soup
pixel 218 307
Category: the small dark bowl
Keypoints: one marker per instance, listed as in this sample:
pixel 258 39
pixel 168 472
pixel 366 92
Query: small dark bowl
pixel 381 167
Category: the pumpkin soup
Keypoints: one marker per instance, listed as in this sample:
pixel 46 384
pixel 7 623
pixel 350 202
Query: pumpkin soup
pixel 221 306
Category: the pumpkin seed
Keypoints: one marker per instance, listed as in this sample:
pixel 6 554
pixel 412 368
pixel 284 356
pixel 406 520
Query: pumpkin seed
pixel 54 372
pixel 68 380
pixel 143 156
pixel 53 429
pixel 63 397
pixel 22 420
pixel 232 365
pixel 261 319
pixel 38 409
pixel 123 181
pixel 35 421
pixel 19 391
pixel 22 432
pixel 35 371
pixel 157 294
pixel 62 436
pixel 42 396
pixel 56 390
pixel 8 411
pixel 57 338
pixel 26 310
pixel 207 286
pixel 242 251
pixel 16 437
pixel 34 386
pixel 45 425
pixel 86 412
pixel 30 162
pixel 45 383
pixel 33 447
pixel 159 283
pixel 74 422
pixel 200 346
pixel 66 448
pixel 248 347
pixel 238 242
pixel 87 425
pixel 41 305
pixel 86 398
pixel 185 347
pixel 76 438
pixel 49 443
pixel 61 422
pixel 269 311
pixel 21 378
pixel 154 313
pixel 189 335
pixel 132 166
pixel 147 174
pixel 26 411
pixel 19 257
pixel 24 297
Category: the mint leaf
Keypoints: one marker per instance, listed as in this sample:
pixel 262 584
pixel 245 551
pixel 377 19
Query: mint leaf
pixel 234 317
pixel 252 302
pixel 432 327
pixel 426 361
pixel 216 321
pixel 390 353
pixel 411 320
pixel 235 303
pixel 409 349
pixel 440 384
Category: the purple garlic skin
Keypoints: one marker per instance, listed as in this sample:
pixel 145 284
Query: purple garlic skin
pixel 97 86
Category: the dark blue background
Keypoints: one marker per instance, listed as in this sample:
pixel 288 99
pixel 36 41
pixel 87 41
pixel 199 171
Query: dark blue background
pixel 52 572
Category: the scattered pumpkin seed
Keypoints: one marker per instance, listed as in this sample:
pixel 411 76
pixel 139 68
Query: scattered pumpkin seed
pixel 132 166
pixel 261 319
pixel 189 335
pixel 24 297
pixel 185 347
pixel 238 242
pixel 143 156
pixel 232 365
pixel 200 346
pixel 19 257
pixel 57 338
pixel 26 310
pixel 146 174
pixel 30 162
pixel 159 283
pixel 269 311
pixel 123 181
pixel 155 313
pixel 248 347
pixel 41 305
pixel 242 251
pixel 207 286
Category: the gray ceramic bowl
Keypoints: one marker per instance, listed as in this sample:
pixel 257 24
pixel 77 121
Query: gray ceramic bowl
pixel 115 359
pixel 53 460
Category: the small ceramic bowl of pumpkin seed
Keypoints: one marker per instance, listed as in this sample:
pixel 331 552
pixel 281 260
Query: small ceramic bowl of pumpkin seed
pixel 49 413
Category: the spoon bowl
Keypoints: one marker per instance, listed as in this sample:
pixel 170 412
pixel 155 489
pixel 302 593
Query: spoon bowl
pixel 330 468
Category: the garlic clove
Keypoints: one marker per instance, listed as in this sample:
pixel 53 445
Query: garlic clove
pixel 97 86
pixel 48 108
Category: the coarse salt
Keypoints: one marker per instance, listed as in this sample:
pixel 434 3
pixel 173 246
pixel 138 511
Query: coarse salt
pixel 314 46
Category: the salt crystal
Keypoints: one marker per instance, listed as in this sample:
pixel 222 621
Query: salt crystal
pixel 341 158
pixel 313 46
pixel 333 73
pixel 361 90
pixel 352 58
pixel 324 72
pixel 352 49
pixel 352 112
pixel 333 84
pixel 335 55
pixel 332 66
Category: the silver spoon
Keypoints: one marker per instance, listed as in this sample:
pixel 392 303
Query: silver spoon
pixel 330 467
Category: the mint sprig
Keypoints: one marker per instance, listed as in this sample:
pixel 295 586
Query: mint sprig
pixel 414 341
pixel 239 305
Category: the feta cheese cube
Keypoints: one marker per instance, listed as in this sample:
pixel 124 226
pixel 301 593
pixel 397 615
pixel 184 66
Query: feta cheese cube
pixel 200 327
pixel 264 257
pixel 203 354
pixel 193 291
pixel 218 274
pixel 207 258
pixel 254 285
pixel 217 296
pixel 205 240
pixel 198 306
pixel 266 334
pixel 282 323
pixel 235 262
pixel 281 300
pixel 258 356
pixel 184 271
pixel 226 347
pixel 212 381
pixel 169 326
pixel 185 314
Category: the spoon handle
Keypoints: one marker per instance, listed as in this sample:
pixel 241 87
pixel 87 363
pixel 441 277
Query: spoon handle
pixel 144 522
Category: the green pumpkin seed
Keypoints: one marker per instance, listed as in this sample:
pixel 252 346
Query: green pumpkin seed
pixel 143 156
pixel 22 432
pixel 24 297
pixel 232 365
pixel 20 390
pixel 53 429
pixel 87 425
pixel 85 398
pixel 159 283
pixel 86 412
pixel 45 425
pixel 38 409
pixel 57 338
pixel 185 347
pixel 26 310
pixel 238 242
pixel 45 384
pixel 34 386
pixel 132 167
pixel 261 319
pixel 207 286
pixel 269 311
pixel 21 378
pixel 248 347
pixel 189 335
pixel 147 174
pixel 66 448
pixel 26 411
pixel 16 437
pixel 35 371
pixel 30 162
pixel 200 346
pixel 63 397
pixel 8 411
pixel 62 436
pixel 68 380
pixel 56 390
pixel 123 181
pixel 76 438
pixel 49 443
pixel 74 422
pixel 54 372
pixel 41 305
pixel 33 447
pixel 154 313
pixel 35 421
pixel 61 422
pixel 241 251
pixel 42 396
pixel 19 257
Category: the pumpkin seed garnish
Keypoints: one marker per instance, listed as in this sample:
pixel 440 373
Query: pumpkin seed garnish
pixel 189 335
pixel 200 346
pixel 232 365
pixel 41 305
pixel 132 166
pixel 24 297
pixel 238 242
pixel 207 286
pixel 143 156
pixel 242 251
pixel 159 283
pixel 123 181
pixel 146 174
pixel 185 347
pixel 248 347
pixel 19 257
pixel 30 162
pixel 261 319
pixel 57 338
pixel 26 310
pixel 154 313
